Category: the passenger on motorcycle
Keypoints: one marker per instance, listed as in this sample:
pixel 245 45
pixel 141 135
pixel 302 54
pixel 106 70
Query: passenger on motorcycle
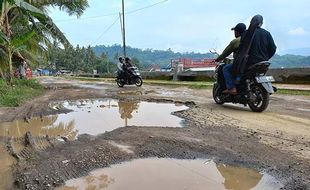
pixel 231 48
pixel 262 46
pixel 256 45
pixel 128 62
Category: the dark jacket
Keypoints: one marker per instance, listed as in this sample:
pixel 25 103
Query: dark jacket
pixel 256 45
pixel 262 48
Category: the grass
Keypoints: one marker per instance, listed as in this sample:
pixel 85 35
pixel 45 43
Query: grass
pixel 294 92
pixel 17 93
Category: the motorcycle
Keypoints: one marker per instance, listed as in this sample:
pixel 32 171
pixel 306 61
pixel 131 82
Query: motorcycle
pixel 128 76
pixel 253 89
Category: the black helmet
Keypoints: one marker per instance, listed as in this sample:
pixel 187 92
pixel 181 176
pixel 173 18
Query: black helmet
pixel 127 59
pixel 121 59
pixel 240 27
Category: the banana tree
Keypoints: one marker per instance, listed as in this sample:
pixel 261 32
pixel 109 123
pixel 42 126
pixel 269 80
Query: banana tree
pixel 13 46
pixel 35 21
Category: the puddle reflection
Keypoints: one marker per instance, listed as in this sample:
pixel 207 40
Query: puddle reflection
pixel 173 174
pixel 49 125
pixel 95 117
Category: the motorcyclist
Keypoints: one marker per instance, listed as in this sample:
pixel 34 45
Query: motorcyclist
pixel 231 48
pixel 120 66
pixel 125 65
pixel 234 44
pixel 256 45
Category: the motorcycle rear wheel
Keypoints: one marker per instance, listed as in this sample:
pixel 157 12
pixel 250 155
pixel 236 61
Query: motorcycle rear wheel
pixel 262 98
pixel 216 94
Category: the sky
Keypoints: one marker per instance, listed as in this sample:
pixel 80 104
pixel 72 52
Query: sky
pixel 185 25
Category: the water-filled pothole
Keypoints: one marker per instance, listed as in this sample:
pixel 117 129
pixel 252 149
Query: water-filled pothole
pixel 95 117
pixel 6 161
pixel 173 174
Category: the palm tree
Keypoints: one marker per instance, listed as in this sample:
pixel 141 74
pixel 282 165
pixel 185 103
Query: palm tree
pixel 25 28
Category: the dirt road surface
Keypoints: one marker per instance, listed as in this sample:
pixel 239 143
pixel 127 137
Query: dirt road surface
pixel 276 141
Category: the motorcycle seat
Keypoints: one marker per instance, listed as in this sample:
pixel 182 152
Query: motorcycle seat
pixel 258 68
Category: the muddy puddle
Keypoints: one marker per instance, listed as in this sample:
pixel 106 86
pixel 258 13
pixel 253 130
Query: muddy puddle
pixel 172 174
pixel 6 161
pixel 95 117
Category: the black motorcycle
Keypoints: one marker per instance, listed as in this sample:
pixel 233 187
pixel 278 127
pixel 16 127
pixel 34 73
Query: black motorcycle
pixel 253 89
pixel 128 76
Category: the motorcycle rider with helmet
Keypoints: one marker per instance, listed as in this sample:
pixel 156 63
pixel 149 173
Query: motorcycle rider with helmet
pixel 232 47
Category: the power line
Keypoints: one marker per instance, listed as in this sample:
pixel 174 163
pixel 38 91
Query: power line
pixel 112 14
pixel 146 7
pixel 105 31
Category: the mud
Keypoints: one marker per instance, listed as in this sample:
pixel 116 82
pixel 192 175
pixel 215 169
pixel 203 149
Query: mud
pixel 276 141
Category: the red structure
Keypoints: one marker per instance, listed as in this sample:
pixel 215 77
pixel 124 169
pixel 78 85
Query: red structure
pixel 193 63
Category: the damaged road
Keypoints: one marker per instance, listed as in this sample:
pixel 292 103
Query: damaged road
pixel 276 141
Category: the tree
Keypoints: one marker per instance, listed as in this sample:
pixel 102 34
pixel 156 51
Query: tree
pixel 105 61
pixel 26 21
pixel 136 62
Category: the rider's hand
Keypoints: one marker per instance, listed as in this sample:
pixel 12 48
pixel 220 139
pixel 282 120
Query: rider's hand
pixel 214 61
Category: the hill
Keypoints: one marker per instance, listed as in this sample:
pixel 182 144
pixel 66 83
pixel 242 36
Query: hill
pixel 162 57
pixel 298 51
pixel 148 56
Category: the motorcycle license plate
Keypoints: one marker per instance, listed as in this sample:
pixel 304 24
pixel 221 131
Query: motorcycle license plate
pixel 263 79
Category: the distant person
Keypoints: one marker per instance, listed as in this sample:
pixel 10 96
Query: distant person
pixel 127 69
pixel 121 67
pixel 232 47
pixel 22 69
pixel 256 45
pixel 120 63
pixel 128 62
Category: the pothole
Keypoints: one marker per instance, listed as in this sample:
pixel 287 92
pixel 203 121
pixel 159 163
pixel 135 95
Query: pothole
pixel 6 161
pixel 172 174
pixel 96 117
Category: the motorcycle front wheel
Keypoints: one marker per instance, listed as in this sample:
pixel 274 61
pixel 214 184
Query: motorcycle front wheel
pixel 216 94
pixel 119 83
pixel 138 81
pixel 261 97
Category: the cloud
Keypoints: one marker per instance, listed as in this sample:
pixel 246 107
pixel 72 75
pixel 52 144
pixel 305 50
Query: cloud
pixel 300 31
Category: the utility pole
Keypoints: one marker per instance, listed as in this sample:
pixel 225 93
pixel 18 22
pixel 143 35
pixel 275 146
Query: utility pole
pixel 123 28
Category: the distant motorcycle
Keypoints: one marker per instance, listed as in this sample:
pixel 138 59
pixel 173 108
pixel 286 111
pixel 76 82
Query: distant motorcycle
pixel 253 89
pixel 128 76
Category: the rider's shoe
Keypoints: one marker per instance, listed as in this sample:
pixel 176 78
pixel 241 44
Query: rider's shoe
pixel 232 91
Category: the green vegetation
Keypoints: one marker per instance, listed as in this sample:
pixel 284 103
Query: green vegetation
pixel 290 61
pixel 150 57
pixel 27 32
pixel 294 92
pixel 84 60
pixel 20 91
